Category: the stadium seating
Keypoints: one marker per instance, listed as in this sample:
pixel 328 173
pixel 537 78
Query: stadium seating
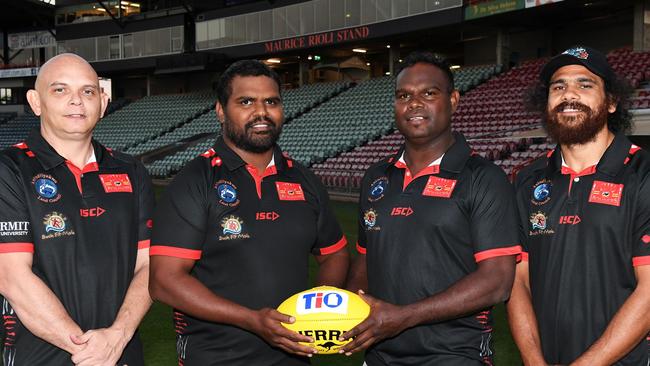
pixel 175 162
pixel 16 129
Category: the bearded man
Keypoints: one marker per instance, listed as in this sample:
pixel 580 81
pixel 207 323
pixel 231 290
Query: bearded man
pixel 234 231
pixel 581 294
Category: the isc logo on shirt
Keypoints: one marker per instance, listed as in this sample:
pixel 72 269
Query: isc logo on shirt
pixel 322 302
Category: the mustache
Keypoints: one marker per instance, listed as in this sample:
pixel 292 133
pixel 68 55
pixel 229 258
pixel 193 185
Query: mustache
pixel 571 105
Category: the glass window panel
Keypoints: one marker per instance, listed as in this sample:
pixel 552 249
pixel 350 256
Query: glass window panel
pixel 239 29
pixel 293 20
pixel 279 23
pixel 253 27
pixel 383 9
pixel 337 14
pixel 417 6
pixel 227 37
pixel 307 18
pixel 201 35
pixel 400 9
pixel 114 47
pixel 127 40
pixel 352 13
pixel 139 40
pixel 177 38
pixel 266 25
pixel 321 15
pixel 368 11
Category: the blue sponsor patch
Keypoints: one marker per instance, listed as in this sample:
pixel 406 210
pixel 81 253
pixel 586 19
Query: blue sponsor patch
pixel 227 193
pixel 378 189
pixel 46 188
pixel 541 192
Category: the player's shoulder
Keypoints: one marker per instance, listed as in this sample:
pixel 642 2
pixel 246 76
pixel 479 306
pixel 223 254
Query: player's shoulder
pixel 484 169
pixel 534 170
pixel 638 160
pixel 12 156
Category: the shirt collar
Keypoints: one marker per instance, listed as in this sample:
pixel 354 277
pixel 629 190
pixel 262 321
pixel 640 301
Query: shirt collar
pixel 232 161
pixel 610 163
pixel 453 160
pixel 48 157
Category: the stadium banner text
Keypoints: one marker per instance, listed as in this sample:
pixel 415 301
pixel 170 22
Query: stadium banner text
pixel 483 8
pixel 318 39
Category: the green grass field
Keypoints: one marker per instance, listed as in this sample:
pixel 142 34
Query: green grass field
pixel 158 335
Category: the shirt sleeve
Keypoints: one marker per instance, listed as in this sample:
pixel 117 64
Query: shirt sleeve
pixel 523 200
pixel 15 225
pixel 179 223
pixel 330 238
pixel 641 250
pixel 146 205
pixel 493 223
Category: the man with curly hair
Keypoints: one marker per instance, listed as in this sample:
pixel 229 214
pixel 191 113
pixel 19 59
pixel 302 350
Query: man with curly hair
pixel 582 290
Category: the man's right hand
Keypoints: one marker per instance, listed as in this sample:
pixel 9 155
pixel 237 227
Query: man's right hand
pixel 266 324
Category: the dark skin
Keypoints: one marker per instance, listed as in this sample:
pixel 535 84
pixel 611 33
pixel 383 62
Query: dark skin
pixel 423 108
pixel 170 279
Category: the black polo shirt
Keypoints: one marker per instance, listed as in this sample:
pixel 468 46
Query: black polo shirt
pixel 251 237
pixel 583 232
pixel 421 235
pixel 84 227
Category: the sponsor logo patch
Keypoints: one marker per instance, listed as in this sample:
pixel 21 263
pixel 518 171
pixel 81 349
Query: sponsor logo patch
pixel 570 220
pixel 606 193
pixel 231 228
pixel 290 191
pixel 46 187
pixel 114 183
pixel 227 193
pixel 577 52
pixel 55 226
pixel 541 192
pixel 322 302
pixel 401 211
pixel 538 224
pixel 439 187
pixel 14 228
pixel 91 212
pixel 378 189
pixel 270 215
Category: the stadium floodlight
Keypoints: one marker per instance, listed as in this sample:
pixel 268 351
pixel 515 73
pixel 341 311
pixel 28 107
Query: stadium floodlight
pixel 367 63
pixel 387 46
pixel 309 57
pixel 359 50
pixel 316 58
pixel 273 61
pixel 453 67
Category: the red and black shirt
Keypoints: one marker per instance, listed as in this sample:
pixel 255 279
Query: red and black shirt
pixel 83 226
pixel 251 237
pixel 583 233
pixel 423 233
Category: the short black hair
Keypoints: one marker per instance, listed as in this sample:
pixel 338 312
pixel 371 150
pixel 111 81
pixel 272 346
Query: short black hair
pixel 617 90
pixel 242 68
pixel 426 57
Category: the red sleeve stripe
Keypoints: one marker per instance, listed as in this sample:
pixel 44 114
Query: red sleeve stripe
pixel 498 252
pixel 16 247
pixel 361 249
pixel 334 248
pixel 144 244
pixel 175 252
pixel 524 256
pixel 641 261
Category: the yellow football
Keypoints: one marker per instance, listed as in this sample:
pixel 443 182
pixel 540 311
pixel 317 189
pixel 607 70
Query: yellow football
pixel 324 313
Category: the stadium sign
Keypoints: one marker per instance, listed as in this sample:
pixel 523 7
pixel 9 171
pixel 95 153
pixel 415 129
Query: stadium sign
pixel 26 40
pixel 318 39
pixel 483 8
pixel 18 73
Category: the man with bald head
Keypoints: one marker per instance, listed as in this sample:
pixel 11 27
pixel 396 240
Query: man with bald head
pixel 74 232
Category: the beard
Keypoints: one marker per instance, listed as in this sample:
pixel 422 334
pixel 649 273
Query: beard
pixel 249 140
pixel 578 129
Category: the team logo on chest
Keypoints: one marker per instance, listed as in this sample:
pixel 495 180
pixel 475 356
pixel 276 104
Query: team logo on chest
pixel 47 189
pixel 227 193
pixel 370 219
pixel 115 183
pixel 541 192
pixel 378 189
pixel 606 193
pixel 55 225
pixel 231 228
pixel 290 191
pixel 439 187
pixel 539 223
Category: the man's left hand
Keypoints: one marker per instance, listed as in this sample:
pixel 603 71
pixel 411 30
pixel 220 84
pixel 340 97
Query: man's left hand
pixel 103 347
pixel 385 321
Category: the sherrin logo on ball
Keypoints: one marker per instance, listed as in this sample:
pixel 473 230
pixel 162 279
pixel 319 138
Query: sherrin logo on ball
pixel 324 313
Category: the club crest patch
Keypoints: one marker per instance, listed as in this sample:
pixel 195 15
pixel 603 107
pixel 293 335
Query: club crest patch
pixel 541 192
pixel 114 183
pixel 439 187
pixel 606 193
pixel 370 219
pixel 290 191
pixel 538 222
pixel 46 187
pixel 55 225
pixel 231 228
pixel 227 193
pixel 378 189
